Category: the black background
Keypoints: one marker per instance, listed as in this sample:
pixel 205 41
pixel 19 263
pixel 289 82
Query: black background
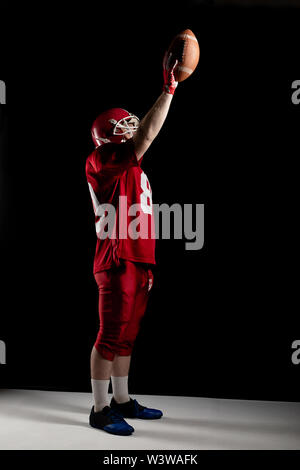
pixel 221 320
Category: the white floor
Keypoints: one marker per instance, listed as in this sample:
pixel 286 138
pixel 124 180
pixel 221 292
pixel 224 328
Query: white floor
pixel 32 419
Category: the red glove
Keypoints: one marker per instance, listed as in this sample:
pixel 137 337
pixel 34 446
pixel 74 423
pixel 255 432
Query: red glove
pixel 169 65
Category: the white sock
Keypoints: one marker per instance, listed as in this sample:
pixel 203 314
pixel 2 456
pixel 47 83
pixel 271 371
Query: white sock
pixel 120 389
pixel 100 392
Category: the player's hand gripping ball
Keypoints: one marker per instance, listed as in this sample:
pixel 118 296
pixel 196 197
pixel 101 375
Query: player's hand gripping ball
pixel 169 64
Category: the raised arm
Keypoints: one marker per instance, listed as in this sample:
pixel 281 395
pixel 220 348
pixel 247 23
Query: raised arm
pixel 153 121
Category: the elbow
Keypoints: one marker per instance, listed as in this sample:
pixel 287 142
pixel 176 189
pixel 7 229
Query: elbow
pixel 146 135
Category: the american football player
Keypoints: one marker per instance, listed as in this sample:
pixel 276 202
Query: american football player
pixel 122 263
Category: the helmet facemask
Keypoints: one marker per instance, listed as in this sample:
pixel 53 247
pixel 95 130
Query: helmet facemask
pixel 126 125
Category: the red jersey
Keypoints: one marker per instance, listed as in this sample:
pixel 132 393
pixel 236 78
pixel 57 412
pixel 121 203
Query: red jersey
pixel 115 177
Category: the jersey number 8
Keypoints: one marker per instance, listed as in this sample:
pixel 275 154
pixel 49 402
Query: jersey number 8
pixel 146 197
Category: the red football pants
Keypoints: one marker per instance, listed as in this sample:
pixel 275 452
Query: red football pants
pixel 123 297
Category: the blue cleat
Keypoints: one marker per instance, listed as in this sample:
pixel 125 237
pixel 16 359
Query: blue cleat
pixel 110 421
pixel 132 409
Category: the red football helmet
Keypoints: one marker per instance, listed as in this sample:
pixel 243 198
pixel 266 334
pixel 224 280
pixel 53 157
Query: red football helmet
pixel 112 125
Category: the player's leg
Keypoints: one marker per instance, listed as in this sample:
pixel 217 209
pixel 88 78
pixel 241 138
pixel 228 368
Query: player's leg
pixel 141 278
pixel 130 285
pixel 111 328
pixel 121 365
pixel 101 370
pixel 102 355
pixel 131 408
pixel 137 279
pixel 119 378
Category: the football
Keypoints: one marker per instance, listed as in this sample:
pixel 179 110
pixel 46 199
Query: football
pixel 186 50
